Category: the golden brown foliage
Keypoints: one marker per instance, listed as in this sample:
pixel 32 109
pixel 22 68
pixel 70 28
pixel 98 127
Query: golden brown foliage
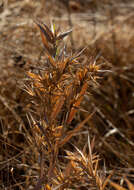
pixel 51 102
pixel 58 90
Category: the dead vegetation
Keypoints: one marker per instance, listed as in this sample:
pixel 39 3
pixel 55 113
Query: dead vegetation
pixel 66 95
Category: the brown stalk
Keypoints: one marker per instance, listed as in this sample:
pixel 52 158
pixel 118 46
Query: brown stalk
pixel 74 131
pixel 77 103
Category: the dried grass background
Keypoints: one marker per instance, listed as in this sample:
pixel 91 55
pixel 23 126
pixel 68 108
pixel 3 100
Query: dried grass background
pixel 105 28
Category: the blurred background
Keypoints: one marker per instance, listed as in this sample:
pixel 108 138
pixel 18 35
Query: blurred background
pixel 106 28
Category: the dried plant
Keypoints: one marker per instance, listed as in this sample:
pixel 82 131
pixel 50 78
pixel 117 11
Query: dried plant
pixel 57 91
pixel 51 102
pixel 119 187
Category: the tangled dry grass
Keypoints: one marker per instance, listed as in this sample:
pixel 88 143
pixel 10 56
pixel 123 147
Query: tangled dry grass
pixel 66 95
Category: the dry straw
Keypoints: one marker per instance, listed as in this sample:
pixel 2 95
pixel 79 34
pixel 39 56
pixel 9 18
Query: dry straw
pixel 57 92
